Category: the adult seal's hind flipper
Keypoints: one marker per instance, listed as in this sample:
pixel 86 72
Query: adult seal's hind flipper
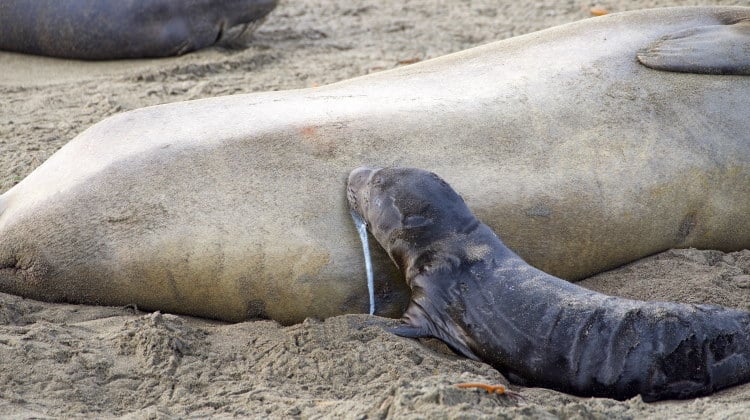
pixel 710 49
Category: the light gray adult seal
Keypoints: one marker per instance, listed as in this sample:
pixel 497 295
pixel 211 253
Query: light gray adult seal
pixel 580 157
pixel 111 29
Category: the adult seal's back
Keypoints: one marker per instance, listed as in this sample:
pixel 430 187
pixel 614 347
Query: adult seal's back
pixel 578 155
pixel 110 29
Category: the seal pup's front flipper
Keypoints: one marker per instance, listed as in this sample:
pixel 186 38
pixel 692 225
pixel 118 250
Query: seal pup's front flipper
pixel 416 325
pixel 711 49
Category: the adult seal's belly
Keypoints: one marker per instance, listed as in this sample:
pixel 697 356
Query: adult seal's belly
pixel 475 294
pixel 110 29
pixel 578 155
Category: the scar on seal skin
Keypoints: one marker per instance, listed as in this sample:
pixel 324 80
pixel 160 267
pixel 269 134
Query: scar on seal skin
pixel 472 292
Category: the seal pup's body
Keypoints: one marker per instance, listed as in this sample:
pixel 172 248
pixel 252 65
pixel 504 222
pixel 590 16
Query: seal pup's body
pixel 471 291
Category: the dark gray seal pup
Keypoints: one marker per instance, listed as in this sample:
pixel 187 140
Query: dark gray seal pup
pixel 472 292
pixel 112 29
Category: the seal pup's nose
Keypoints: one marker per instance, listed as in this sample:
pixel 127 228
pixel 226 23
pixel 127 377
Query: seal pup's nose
pixel 360 175
pixel 357 180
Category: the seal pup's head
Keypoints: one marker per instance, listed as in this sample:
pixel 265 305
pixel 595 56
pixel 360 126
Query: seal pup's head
pixel 409 211
pixel 431 235
pixel 412 213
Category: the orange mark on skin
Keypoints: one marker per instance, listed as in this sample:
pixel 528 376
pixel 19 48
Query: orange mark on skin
pixel 598 11
pixel 315 141
pixel 491 389
pixel 308 131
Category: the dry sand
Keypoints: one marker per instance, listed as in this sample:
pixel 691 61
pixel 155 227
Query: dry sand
pixel 65 360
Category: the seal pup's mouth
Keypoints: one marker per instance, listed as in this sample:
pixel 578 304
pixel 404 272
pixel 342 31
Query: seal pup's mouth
pixel 355 188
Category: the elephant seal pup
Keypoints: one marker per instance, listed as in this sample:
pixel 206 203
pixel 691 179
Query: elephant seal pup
pixel 472 292
pixel 112 29
pixel 231 207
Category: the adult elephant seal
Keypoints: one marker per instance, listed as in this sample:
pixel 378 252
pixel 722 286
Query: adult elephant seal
pixel 485 302
pixel 578 155
pixel 111 29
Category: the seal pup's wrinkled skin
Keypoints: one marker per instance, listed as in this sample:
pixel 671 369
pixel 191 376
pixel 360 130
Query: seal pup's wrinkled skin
pixel 478 296
pixel 113 29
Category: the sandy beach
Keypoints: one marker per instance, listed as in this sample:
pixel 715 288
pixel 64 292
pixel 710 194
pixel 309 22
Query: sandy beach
pixel 59 360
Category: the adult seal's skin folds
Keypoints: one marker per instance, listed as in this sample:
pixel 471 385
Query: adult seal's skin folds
pixel 578 155
pixel 111 29
pixel 478 296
